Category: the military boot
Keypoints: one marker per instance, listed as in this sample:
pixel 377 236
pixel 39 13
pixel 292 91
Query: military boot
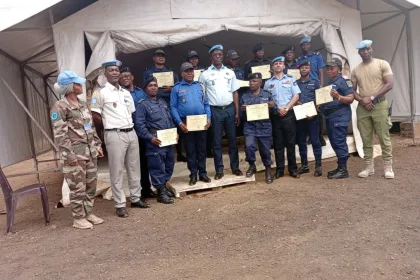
pixel 318 168
pixel 389 173
pixel 369 169
pixel 304 168
pixel 82 224
pixel 251 170
pixel 163 196
pixel 341 172
pixel 268 176
pixel 332 172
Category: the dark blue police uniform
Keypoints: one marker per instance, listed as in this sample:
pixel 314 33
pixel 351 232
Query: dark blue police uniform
pixel 260 130
pixel 149 72
pixel 338 116
pixel 307 127
pixel 137 95
pixel 153 115
pixel 188 99
pixel 294 65
pixel 316 61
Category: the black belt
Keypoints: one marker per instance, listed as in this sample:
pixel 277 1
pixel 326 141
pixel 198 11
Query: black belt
pixel 223 107
pixel 378 100
pixel 120 129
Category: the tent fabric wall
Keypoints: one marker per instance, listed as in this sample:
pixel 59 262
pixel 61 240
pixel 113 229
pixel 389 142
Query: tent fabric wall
pixel 14 135
pixel 40 110
pixel 390 42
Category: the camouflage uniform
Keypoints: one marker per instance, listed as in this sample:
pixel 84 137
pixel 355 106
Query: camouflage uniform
pixel 75 134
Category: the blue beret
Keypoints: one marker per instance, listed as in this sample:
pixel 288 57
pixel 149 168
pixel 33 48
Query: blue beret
pixel 306 39
pixel 216 47
pixel 112 63
pixel 279 58
pixel 364 44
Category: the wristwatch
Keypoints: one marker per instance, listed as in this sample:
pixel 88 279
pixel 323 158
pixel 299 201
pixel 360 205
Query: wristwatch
pixel 287 109
pixel 372 98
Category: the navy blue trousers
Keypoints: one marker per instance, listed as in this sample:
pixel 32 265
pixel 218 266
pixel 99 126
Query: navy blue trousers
pixel 161 163
pixel 224 119
pixel 337 125
pixel 195 148
pixel 304 128
pixel 264 144
pixel 284 132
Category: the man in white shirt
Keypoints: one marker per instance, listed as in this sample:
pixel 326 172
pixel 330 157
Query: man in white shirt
pixel 113 106
pixel 221 88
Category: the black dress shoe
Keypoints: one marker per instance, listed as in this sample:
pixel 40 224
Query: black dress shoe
pixel 181 158
pixel 140 204
pixel 168 192
pixel 279 174
pixel 121 212
pixel 147 193
pixel 193 181
pixel 304 168
pixel 205 179
pixel 251 170
pixel 237 172
pixel 341 173
pixel 163 197
pixel 322 140
pixel 219 176
pixel 294 174
pixel 268 176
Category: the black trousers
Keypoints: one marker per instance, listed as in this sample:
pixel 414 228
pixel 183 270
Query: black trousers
pixel 195 148
pixel 284 136
pixel 144 168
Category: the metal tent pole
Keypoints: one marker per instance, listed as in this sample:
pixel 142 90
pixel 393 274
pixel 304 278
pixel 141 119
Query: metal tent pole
pixel 410 72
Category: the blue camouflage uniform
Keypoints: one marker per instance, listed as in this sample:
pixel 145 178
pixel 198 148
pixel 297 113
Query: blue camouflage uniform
pixel 307 127
pixel 260 130
pixel 316 60
pixel 188 99
pixel 149 72
pixel 153 115
pixel 284 128
pixel 338 116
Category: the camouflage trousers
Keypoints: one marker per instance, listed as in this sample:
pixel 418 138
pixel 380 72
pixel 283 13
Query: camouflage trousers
pixel 82 180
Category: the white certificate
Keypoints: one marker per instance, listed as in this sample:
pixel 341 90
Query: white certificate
pixel 295 73
pixel 242 83
pixel 305 110
pixel 164 78
pixel 323 95
pixel 263 69
pixel 197 122
pixel 167 137
pixel 197 74
pixel 257 112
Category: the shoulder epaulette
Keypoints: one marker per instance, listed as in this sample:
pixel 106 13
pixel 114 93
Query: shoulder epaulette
pixel 248 61
pixel 316 53
pixel 176 83
pixel 140 101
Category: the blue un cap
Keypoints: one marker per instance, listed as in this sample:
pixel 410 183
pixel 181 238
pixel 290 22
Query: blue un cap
pixel 306 39
pixel 364 44
pixel 68 77
pixel 216 47
pixel 279 58
pixel 112 63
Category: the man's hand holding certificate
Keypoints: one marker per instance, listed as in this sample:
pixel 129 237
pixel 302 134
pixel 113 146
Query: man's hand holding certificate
pixel 164 78
pixel 323 95
pixel 263 69
pixel 305 110
pixel 257 112
pixel 167 137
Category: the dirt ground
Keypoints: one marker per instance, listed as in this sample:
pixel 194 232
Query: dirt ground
pixel 311 228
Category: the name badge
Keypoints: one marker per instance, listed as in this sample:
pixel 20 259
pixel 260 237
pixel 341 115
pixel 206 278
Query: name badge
pixel 87 126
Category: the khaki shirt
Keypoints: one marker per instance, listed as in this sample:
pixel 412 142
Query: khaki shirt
pixel 116 105
pixel 370 76
pixel 74 131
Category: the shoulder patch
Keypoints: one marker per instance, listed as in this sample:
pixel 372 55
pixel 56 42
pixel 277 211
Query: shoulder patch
pixel 54 116
pixel 349 83
pixel 294 83
pixel 94 100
